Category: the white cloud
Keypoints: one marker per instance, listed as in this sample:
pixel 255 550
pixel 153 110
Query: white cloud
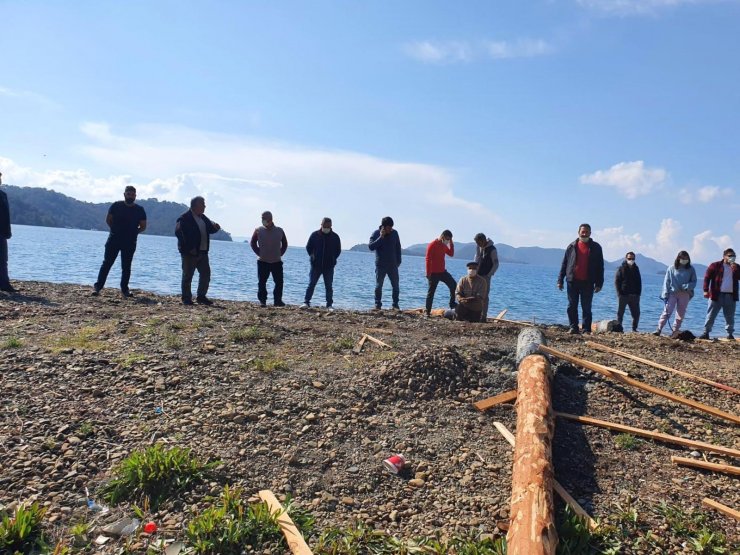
pixel 706 245
pixel 615 240
pixel 638 7
pixel 668 234
pixel 242 176
pixel 631 179
pixel 708 194
pixel 445 52
pixel 25 95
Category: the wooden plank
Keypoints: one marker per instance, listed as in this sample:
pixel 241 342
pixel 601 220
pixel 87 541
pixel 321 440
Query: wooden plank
pixel 641 385
pixel 376 341
pixel 505 397
pixel 293 536
pixel 595 366
pixel 358 348
pixel 704 465
pixel 724 509
pixel 560 490
pixel 606 349
pixel 657 436
pixel 501 314
pixel 515 322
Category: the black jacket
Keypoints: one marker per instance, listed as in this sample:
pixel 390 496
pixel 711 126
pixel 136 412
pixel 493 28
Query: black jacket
pixel 188 233
pixel 324 249
pixel 627 280
pixel 4 216
pixel 595 264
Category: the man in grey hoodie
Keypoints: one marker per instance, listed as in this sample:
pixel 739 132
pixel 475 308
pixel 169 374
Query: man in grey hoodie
pixel 269 244
pixel 486 256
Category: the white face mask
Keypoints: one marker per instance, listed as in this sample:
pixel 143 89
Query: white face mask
pixel 631 262
pixel 683 261
pixel 265 222
pixel 731 259
pixel 326 230
pixel 472 272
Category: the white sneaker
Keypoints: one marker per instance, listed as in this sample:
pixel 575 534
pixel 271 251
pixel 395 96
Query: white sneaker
pixel 330 308
pixel 305 305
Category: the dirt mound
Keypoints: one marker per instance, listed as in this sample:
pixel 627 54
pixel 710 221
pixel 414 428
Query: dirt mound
pixel 431 372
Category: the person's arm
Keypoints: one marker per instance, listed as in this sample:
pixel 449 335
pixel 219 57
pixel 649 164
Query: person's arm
pixel 639 280
pixel 599 282
pixel 109 219
pixel 398 250
pixel 142 226
pixel 708 277
pixel 339 246
pixel 428 259
pixel 375 240
pixel 309 246
pixel 618 280
pixel 253 242
pixel 459 290
pixel 666 284
pixel 691 285
pixel 283 244
pixel 494 261
pixel 563 268
pixel 450 251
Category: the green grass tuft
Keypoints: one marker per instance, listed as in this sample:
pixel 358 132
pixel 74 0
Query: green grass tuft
pixel 628 442
pixel 21 532
pixel 12 343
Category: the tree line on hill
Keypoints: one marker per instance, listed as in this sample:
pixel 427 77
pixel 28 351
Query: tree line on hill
pixel 44 207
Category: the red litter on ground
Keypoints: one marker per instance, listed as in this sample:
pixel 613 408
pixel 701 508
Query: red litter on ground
pixel 394 464
pixel 150 528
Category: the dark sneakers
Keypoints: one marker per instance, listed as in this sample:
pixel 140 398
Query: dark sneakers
pixel 730 337
pixel 279 303
pixel 704 335
pixel 126 294
pixel 96 291
pixel 204 301
pixel 574 331
pixel 187 302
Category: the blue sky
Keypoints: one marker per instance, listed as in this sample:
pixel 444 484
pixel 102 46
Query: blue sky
pixel 520 119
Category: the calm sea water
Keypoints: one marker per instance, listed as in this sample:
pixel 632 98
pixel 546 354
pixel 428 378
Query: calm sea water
pixel 527 291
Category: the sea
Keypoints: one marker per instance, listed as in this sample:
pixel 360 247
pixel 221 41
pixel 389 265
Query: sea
pixel 527 291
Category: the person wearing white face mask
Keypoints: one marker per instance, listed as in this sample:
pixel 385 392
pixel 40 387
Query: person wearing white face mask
pixel 323 248
pixel 470 291
pixel 628 283
pixel 678 288
pixel 721 288
pixel 269 244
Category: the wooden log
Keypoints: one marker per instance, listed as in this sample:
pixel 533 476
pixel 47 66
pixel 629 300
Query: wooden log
pixel 532 530
pixel 293 536
pixel 501 314
pixel 606 349
pixel 724 509
pixel 486 404
pixel 376 341
pixel 641 385
pixel 560 490
pixel 657 436
pixel 358 348
pixel 704 465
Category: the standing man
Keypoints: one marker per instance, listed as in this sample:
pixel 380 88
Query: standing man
pixel 486 256
pixel 435 268
pixel 387 246
pixel 5 234
pixel 628 284
pixel 269 244
pixel 126 220
pixel 583 269
pixel 193 231
pixel 323 248
pixel 721 288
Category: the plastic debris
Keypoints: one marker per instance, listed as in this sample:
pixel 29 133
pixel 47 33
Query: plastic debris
pixel 174 548
pixel 101 540
pixel 150 527
pixel 123 527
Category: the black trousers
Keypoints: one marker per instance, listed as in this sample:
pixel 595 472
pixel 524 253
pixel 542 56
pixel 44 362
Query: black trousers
pixel 464 313
pixel 264 269
pixel 434 280
pixel 583 290
pixel 632 301
pixel 190 263
pixel 112 247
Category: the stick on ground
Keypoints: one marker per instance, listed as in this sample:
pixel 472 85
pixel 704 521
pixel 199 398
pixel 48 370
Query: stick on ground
pixel 376 341
pixel 358 348
pixel 704 465
pixel 724 509
pixel 505 397
pixel 295 540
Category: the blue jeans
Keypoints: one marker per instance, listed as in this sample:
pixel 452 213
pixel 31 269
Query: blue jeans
pixel 585 291
pixel 313 278
pixel 4 278
pixel 727 303
pixel 380 273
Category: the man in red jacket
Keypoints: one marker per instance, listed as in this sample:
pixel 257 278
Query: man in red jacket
pixel 435 266
pixel 721 288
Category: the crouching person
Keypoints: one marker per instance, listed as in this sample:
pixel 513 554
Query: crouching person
pixel 470 293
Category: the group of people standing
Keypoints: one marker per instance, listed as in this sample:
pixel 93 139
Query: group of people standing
pixel 583 271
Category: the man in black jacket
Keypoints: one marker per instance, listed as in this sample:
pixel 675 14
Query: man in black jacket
pixel 628 284
pixel 486 256
pixel 583 269
pixel 323 248
pixel 5 234
pixel 193 232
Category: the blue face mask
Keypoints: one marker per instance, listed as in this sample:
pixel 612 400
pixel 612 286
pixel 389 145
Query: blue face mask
pixel 683 261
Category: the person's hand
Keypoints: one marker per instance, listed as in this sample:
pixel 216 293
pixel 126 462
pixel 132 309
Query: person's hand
pixel 706 294
pixel 597 289
pixel 216 226
pixel 560 286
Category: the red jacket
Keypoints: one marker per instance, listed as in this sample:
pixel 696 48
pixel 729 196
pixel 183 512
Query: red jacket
pixel 713 280
pixel 436 251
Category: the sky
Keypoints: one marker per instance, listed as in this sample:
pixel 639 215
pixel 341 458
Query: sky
pixel 517 118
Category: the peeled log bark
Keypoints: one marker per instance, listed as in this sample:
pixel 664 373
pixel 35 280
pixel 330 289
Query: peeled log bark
pixel 532 529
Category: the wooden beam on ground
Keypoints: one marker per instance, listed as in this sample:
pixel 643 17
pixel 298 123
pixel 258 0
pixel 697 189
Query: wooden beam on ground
pixel 641 385
pixel 724 509
pixel 587 364
pixel 606 349
pixel 704 465
pixel 515 322
pixel 376 341
pixel 358 348
pixel 532 529
pixel 293 536
pixel 657 436
pixel 505 397
pixel 501 314
pixel 560 490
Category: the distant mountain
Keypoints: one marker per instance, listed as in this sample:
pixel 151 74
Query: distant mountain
pixel 43 207
pixel 361 247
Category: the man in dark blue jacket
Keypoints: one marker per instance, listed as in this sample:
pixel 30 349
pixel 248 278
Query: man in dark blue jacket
pixel 5 234
pixel 387 246
pixel 193 231
pixel 583 269
pixel 323 247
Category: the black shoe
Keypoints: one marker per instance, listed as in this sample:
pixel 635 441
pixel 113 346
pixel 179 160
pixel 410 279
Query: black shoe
pixel 573 331
pixel 187 302
pixel 9 289
pixel 396 307
pixel 127 294
pixel 657 333
pixel 278 303
pixel 204 300
pixel 704 335
pixel 95 292
pixel 586 332
pixel 730 337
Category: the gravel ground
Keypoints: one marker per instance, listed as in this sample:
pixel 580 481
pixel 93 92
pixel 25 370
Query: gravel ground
pixel 280 398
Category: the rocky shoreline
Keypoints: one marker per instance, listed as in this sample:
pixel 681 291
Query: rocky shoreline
pixel 279 397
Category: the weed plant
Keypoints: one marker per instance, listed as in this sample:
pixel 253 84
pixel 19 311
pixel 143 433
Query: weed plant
pixel 21 532
pixel 85 338
pixel 154 474
pixel 12 343
pixel 628 442
pixel 269 363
